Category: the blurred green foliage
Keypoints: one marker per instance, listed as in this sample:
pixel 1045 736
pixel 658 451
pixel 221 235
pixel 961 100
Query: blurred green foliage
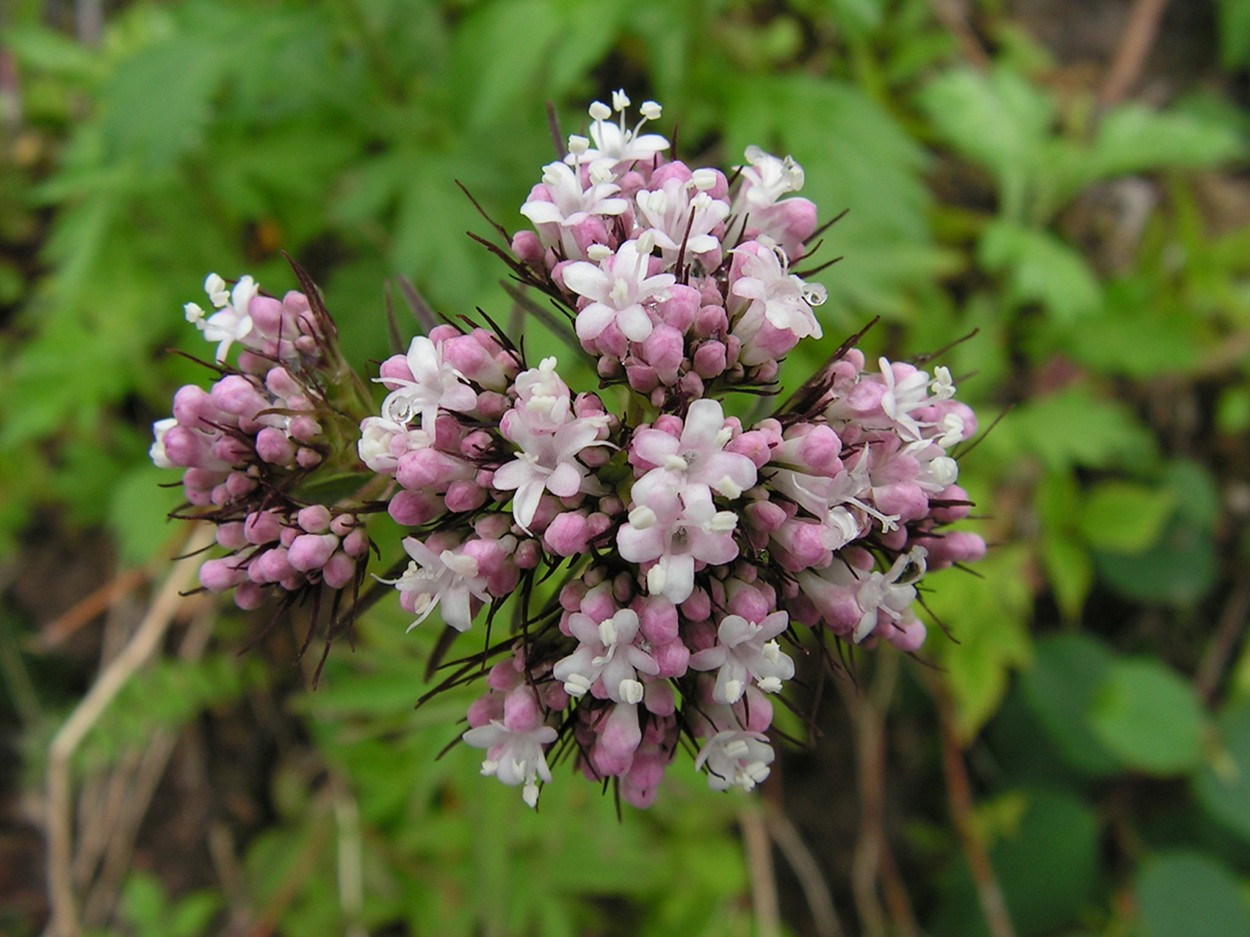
pixel 1099 674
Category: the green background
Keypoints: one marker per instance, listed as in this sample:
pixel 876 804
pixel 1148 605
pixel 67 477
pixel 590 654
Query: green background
pixel 1080 742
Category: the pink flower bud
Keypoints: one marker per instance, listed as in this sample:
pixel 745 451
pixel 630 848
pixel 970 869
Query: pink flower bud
pixel 394 370
pixel 619 735
pixel 905 499
pixel 764 516
pixel 249 595
pixel 310 551
pixel 221 574
pixel 521 710
pixel 698 607
pixel 657 619
pixel 528 554
pixel 711 321
pixel 527 248
pixel 483 709
pixel 273 446
pixel 307 458
pixel 801 545
pixel 237 395
pixel 464 495
pixel 339 570
pixel 413 508
pixel 304 428
pixel 239 485
pixel 681 307
pixel 194 407
pixel 598 604
pixel 709 359
pixel 185 448
pixel 568 534
pixel 908 635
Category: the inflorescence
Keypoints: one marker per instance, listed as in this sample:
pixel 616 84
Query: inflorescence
pixel 662 557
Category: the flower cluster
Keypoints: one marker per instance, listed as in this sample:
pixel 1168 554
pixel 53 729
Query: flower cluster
pixel 263 433
pixel 665 556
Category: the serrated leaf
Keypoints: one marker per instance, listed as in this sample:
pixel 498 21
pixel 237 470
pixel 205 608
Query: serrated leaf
pixel 1040 268
pixel 1074 427
pixel 1135 138
pixel 1146 715
pixel 988 617
pixel 997 120
pixel 155 106
pixel 1125 517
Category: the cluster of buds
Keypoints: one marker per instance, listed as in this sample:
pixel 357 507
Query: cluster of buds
pixel 255 445
pixel 662 558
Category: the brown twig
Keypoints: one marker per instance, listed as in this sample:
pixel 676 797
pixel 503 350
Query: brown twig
pixel 807 870
pixel 65 920
pixel 952 15
pixel 873 862
pixel 759 852
pixel 959 793
pixel 1126 66
pixel 1219 651
pixel 89 607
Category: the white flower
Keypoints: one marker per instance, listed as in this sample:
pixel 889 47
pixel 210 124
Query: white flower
pixel 615 144
pixel 568 205
pixel 547 461
pixel 435 384
pixel 890 593
pixel 157 452
pixel 607 651
pixel 544 397
pixel 449 578
pixel 232 322
pixel 746 650
pixel 735 759
pixel 675 217
pixel 777 295
pixel 515 758
pixel 617 290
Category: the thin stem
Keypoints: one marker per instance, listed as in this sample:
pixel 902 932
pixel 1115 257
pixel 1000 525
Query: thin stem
pixel 959 792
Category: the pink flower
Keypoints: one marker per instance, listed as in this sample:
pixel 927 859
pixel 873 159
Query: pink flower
pixel 434 384
pixel 697 457
pixel 676 535
pixel 515 758
pixel 448 577
pixel 546 461
pixel 746 651
pixel 617 291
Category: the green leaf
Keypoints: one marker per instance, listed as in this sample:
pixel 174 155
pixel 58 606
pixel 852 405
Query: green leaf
pixel 1234 18
pixel 1040 268
pixel 1146 715
pixel 988 617
pixel 1222 786
pixel 139 512
pixel 1182 894
pixel 156 105
pixel 1060 688
pixel 1125 517
pixel 997 120
pixel 1181 565
pixel 1135 138
pixel 1075 427
pixel 1046 866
